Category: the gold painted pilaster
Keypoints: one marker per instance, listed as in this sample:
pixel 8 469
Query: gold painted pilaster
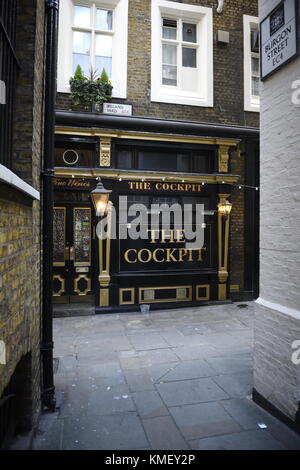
pixel 105 151
pixel 104 261
pixel 104 298
pixel 223 248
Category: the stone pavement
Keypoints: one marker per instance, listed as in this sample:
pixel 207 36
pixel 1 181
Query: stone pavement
pixel 168 380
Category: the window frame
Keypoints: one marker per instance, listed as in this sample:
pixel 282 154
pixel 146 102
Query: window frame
pixel 119 33
pixel 183 13
pixel 251 102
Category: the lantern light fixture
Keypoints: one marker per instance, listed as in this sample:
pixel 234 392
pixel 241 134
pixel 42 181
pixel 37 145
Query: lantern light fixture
pixel 100 198
pixel 224 209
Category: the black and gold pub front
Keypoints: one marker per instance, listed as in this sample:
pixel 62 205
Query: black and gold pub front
pixel 152 162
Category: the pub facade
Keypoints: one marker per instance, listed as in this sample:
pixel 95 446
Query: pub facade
pixel 175 135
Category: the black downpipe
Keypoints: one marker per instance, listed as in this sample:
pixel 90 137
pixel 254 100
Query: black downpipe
pixel 48 389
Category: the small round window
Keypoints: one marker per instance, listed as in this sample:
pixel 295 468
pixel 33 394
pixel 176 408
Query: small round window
pixel 70 157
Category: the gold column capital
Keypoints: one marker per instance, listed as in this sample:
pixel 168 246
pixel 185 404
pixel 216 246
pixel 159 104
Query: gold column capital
pixel 223 198
pixel 104 279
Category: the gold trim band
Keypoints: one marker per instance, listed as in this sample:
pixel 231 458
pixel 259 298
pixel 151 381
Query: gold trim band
pixel 137 175
pixel 146 136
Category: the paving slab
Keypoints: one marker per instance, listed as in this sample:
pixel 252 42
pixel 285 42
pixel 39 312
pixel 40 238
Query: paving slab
pixel 189 370
pixel 239 384
pixel 231 363
pixel 110 399
pixel 138 380
pixel 246 440
pixel 49 434
pixel 158 371
pixel 149 404
pixel 203 420
pixel 190 391
pixel 186 353
pixel 150 341
pixel 163 434
pixel 121 431
pixel 248 414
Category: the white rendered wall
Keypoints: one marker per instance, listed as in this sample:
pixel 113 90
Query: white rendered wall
pixel 280 185
pixel 277 324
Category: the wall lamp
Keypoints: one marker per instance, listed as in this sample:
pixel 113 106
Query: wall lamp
pixel 225 208
pixel 100 198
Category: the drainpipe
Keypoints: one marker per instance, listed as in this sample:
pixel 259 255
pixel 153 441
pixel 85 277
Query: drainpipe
pixel 48 389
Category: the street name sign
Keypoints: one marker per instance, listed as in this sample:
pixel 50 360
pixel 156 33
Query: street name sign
pixel 117 109
pixel 279 37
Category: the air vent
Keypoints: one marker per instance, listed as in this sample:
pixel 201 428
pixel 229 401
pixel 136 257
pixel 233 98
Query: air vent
pixel 70 157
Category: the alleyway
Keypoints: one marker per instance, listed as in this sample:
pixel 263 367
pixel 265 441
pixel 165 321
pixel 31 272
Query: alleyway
pixel 173 379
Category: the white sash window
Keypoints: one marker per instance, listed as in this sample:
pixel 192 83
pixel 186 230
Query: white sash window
pixel 182 54
pixel 93 34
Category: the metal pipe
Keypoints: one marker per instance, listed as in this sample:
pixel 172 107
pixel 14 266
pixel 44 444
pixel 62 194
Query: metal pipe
pixel 70 118
pixel 48 389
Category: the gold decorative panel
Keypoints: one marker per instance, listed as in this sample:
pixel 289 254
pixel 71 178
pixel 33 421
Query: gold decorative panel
pixel 122 293
pixel 165 294
pixel 62 285
pixel 199 296
pixel 77 287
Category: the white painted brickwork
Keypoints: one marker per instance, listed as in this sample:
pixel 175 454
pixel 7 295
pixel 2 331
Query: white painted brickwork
pixel 275 376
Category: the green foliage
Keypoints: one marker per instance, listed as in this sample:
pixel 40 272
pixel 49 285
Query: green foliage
pixel 104 77
pixel 78 75
pixel 87 91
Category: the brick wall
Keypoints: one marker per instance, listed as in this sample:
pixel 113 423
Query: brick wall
pixel 228 68
pixel 20 238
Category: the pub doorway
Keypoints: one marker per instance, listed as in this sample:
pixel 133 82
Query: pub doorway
pixel 73 276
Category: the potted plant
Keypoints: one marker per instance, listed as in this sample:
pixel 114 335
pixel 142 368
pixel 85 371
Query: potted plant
pixel 90 91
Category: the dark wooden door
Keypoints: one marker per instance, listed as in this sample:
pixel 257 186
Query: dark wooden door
pixel 72 253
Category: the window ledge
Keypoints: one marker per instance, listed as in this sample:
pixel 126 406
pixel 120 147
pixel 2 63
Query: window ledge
pixel 115 93
pixel 252 107
pixel 181 97
pixel 7 176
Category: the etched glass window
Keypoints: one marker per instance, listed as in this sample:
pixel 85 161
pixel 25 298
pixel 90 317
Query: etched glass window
pixel 59 223
pixel 82 236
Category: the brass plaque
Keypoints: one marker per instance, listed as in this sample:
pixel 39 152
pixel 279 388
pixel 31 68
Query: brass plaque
pixel 82 270
pixel 149 294
pixel 181 293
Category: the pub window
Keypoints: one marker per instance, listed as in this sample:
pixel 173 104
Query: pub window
pixel 200 163
pixel 75 153
pixel 148 160
pixel 8 70
pixel 124 159
pixel 151 158
pixel 94 36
